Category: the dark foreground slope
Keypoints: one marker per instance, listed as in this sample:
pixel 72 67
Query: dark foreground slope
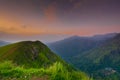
pixel 29 60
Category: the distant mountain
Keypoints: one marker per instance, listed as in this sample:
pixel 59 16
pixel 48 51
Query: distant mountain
pixel 98 55
pixel 104 36
pixel 2 43
pixel 98 59
pixel 76 45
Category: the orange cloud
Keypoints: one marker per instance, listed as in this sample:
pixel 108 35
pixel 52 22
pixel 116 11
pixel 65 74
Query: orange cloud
pixel 13 26
pixel 50 12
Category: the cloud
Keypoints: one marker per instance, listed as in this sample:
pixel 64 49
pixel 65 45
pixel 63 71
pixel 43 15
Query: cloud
pixel 24 26
pixel 12 28
pixel 50 12
pixel 22 30
pixel 7 29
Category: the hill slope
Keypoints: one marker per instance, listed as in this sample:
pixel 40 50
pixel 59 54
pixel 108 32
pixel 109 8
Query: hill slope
pixel 101 59
pixel 29 60
pixel 30 54
pixel 106 55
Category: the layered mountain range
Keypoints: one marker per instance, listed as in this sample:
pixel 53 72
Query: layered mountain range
pixel 99 55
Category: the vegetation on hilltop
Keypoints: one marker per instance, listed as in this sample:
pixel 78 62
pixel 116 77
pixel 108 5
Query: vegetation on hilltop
pixel 29 60
pixel 57 71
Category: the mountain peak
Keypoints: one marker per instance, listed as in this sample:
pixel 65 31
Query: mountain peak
pixel 29 54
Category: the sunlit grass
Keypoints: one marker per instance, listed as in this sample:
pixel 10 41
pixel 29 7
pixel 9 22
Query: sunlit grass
pixel 9 71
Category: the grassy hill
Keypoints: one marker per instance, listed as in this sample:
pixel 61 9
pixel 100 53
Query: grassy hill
pixel 29 60
pixel 29 54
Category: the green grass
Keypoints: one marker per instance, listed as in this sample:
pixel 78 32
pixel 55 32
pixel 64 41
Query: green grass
pixel 30 54
pixel 29 60
pixel 10 71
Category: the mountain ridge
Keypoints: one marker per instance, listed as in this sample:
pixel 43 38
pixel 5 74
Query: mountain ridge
pixel 28 53
pixel 75 45
pixel 97 57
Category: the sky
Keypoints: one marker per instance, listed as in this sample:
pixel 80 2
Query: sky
pixel 51 20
